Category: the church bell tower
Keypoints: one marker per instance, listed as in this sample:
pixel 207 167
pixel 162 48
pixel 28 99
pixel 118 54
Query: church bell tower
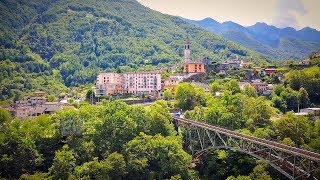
pixel 187 50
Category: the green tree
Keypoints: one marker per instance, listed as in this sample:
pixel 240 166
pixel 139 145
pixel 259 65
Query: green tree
pixel 291 98
pixel 250 91
pixel 188 96
pixel 63 164
pixel 288 141
pixel 239 178
pixel 93 170
pixel 36 176
pixel 5 117
pixel 215 86
pixel 25 144
pixel 233 86
pixel 278 89
pixel 51 98
pixel 259 110
pixel 279 103
pixel 118 165
pixel 303 98
pixel 297 128
pixel 260 173
pixel 159 119
pixel 156 156
pixel 308 78
pixel 119 124
pixel 167 95
pixel 113 167
pixel 315 144
pixel 70 122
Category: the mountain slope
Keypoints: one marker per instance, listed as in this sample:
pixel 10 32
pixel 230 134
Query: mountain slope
pixel 79 38
pixel 282 44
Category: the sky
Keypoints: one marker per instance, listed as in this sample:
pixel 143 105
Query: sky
pixel 280 13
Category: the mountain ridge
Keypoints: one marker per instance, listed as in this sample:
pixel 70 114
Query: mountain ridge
pixel 266 38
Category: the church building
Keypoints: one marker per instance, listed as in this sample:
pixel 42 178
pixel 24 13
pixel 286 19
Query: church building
pixel 190 66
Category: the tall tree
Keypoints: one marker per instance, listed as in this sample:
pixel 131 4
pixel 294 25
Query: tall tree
pixel 250 91
pixel 156 157
pixel 5 117
pixel 63 164
pixel 279 103
pixel 188 96
pixel 303 98
pixel 233 86
pixel 297 128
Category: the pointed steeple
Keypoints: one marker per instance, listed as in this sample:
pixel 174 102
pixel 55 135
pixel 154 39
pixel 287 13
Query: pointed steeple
pixel 187 50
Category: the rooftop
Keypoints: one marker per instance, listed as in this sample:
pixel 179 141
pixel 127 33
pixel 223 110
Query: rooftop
pixel 198 61
pixel 301 114
pixel 143 72
pixel 314 109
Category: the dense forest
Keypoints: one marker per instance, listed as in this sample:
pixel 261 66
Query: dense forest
pixel 58 44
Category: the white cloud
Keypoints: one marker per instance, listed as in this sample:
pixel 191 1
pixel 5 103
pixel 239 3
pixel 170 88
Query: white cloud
pixel 287 12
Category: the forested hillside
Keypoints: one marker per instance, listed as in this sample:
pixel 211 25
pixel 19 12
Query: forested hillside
pixel 55 43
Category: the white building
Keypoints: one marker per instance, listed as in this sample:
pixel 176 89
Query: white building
pixel 133 82
pixel 143 83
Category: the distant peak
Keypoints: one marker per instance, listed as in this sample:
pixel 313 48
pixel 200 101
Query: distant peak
pixel 208 19
pixel 261 24
pixel 289 28
pixel 229 22
pixel 308 29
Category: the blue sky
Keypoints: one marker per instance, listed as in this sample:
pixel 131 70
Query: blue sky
pixel 281 13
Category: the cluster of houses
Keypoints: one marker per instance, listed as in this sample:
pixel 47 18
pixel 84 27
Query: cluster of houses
pixel 34 106
pixel 147 83
pixel 262 88
pixel 150 83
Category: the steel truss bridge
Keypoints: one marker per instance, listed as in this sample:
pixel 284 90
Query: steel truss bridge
pixel 203 138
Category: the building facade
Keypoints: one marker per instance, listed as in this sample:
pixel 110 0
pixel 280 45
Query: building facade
pixel 190 66
pixel 193 67
pixel 139 83
pixel 109 83
pixel 143 83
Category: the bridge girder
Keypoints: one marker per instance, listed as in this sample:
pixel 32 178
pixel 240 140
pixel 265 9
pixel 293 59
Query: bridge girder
pixel 201 141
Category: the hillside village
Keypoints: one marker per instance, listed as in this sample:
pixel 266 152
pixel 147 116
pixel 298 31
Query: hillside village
pixel 194 71
pixel 152 85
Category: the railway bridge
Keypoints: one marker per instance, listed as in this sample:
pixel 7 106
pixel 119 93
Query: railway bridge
pixel 202 138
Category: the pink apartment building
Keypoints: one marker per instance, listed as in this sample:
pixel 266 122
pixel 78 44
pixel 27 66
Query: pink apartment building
pixel 134 83
pixel 110 83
